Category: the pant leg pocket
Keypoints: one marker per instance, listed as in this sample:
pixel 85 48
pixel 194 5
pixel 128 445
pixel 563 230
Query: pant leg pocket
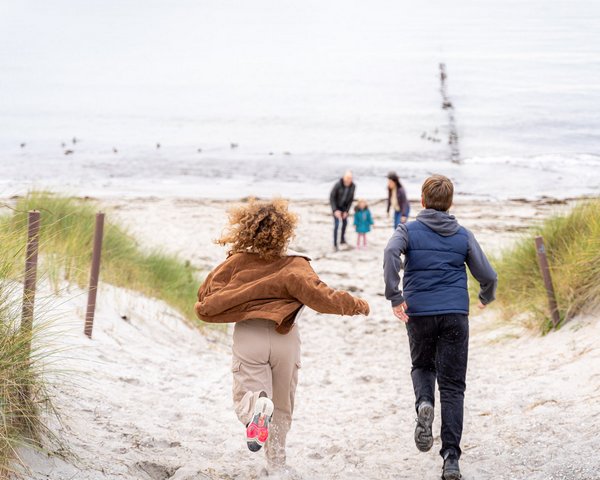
pixel 237 381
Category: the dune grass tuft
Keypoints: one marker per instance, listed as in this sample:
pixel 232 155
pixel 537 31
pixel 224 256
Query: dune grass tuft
pixel 22 360
pixel 66 236
pixel 573 248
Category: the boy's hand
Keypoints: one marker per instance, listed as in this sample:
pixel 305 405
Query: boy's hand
pixel 338 214
pixel 400 312
pixel 481 306
pixel 363 307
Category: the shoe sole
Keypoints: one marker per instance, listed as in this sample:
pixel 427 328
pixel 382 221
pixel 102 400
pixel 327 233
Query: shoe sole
pixel 452 476
pixel 423 434
pixel 257 431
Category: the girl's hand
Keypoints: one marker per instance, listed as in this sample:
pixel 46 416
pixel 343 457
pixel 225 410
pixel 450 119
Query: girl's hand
pixel 363 307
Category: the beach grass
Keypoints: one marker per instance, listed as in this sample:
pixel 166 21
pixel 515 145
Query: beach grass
pixel 572 244
pixel 23 359
pixel 65 249
pixel 66 237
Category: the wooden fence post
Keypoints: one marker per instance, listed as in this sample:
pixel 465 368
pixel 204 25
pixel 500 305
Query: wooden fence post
pixel 545 269
pixel 31 258
pixel 94 275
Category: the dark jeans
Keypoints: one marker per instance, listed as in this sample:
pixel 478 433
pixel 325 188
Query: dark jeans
pixel 397 218
pixel 439 347
pixel 336 224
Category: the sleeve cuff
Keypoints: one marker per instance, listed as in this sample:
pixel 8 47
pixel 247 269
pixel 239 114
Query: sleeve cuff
pixel 486 301
pixel 398 301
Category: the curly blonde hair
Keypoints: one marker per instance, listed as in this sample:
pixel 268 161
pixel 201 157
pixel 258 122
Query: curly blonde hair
pixel 264 228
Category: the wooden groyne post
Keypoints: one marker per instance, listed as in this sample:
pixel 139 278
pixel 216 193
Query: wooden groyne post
pixel 546 275
pixel 31 260
pixel 449 107
pixel 94 274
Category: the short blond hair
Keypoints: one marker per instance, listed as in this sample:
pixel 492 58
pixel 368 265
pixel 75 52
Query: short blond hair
pixel 437 193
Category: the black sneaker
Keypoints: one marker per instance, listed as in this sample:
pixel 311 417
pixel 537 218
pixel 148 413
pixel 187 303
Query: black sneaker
pixel 423 434
pixel 451 470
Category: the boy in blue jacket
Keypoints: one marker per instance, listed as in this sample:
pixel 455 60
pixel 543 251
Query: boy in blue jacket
pixel 435 308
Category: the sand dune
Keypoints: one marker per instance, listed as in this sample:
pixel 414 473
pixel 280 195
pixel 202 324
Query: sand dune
pixel 151 396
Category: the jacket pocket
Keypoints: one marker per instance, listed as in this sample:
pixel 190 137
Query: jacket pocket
pixel 235 366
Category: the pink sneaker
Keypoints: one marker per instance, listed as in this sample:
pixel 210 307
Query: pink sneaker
pixel 257 431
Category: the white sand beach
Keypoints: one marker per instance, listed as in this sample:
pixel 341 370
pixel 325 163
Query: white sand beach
pixel 166 113
pixel 149 397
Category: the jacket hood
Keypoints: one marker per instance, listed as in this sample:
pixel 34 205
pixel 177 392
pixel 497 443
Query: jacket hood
pixel 441 223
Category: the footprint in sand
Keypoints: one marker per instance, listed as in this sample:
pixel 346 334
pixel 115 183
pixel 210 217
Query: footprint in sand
pixel 131 381
pixel 353 288
pixel 156 471
pixel 334 449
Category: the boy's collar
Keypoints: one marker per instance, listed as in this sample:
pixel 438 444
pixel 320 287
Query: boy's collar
pixel 432 211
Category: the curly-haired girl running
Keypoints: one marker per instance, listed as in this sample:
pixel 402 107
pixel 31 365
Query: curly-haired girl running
pixel 263 288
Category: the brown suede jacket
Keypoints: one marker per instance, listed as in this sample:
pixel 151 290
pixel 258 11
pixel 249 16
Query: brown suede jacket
pixel 247 287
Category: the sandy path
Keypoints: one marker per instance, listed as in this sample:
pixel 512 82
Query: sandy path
pixel 158 405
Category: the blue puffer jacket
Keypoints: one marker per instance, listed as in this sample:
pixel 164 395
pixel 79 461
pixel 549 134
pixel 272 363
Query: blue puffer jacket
pixel 436 250
pixel 363 220
pixel 435 277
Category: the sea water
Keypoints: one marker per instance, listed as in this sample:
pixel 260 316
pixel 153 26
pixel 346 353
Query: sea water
pixel 269 97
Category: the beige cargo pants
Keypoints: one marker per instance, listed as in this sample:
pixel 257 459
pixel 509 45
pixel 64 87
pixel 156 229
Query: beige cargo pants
pixel 264 360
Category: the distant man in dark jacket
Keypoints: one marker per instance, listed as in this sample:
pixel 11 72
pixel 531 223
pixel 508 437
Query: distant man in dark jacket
pixel 435 308
pixel 341 198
